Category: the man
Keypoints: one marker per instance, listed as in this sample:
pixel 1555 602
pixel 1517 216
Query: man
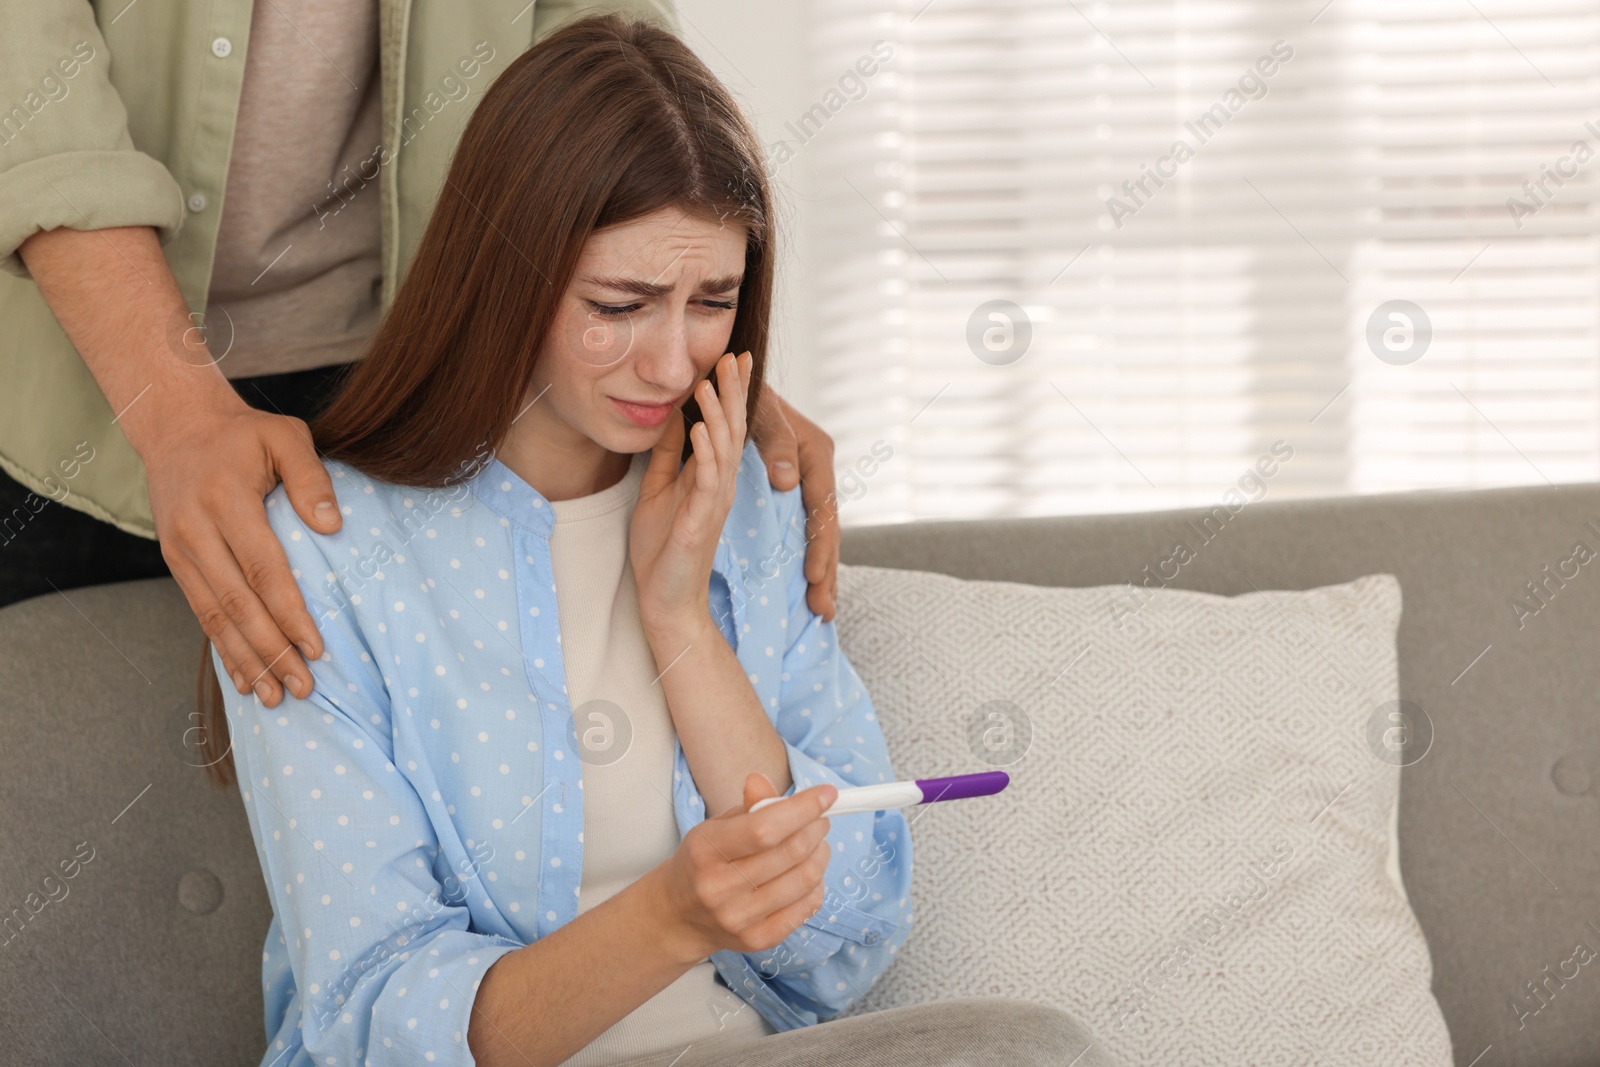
pixel 271 165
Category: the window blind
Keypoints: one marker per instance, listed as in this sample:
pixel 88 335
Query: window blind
pixel 1365 229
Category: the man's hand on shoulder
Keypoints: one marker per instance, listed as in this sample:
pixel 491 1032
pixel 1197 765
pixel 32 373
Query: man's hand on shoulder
pixel 796 450
pixel 207 486
pixel 210 459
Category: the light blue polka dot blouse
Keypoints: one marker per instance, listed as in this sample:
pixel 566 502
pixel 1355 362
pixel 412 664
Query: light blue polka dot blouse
pixel 420 814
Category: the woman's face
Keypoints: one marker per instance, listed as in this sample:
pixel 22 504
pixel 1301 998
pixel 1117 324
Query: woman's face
pixel 647 315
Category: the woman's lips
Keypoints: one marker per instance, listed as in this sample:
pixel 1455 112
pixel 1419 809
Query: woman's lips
pixel 643 414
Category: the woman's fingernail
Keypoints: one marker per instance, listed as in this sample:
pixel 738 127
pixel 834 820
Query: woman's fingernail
pixel 238 683
pixel 325 512
pixel 263 690
pixel 783 464
pixel 305 649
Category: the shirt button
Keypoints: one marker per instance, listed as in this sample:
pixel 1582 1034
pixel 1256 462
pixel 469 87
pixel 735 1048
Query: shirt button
pixel 221 47
pixel 197 202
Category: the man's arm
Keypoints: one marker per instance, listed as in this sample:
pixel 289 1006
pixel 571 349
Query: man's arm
pixel 81 210
pixel 210 458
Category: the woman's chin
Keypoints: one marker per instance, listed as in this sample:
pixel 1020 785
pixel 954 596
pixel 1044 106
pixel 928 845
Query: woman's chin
pixel 624 436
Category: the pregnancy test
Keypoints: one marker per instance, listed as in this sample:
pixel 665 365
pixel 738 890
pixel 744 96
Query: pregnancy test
pixel 904 794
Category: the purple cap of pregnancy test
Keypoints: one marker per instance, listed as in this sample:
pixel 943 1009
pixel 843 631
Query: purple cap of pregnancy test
pixel 962 786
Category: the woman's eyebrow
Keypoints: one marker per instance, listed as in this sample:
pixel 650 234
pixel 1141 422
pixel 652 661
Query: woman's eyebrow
pixel 640 287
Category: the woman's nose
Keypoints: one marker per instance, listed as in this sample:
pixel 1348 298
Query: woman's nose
pixel 662 357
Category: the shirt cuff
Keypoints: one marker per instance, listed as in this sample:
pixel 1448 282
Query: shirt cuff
pixel 806 771
pixel 458 965
pixel 85 191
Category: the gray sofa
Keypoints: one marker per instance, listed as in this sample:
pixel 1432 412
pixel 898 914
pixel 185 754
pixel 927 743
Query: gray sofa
pixel 150 951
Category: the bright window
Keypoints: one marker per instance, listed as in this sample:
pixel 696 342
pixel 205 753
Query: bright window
pixel 1206 212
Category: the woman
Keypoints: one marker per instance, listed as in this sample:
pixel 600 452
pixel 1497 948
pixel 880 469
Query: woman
pixel 568 645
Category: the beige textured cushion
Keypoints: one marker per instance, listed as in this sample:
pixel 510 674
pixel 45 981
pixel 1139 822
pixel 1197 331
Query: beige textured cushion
pixel 1192 855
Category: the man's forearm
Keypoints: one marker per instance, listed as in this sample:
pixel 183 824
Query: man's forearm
pixel 539 1005
pixel 119 304
pixel 725 732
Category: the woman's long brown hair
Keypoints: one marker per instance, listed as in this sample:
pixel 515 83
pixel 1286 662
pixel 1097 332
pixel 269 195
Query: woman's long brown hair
pixel 606 120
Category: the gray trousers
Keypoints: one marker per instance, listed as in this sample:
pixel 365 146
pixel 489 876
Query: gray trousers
pixel 959 1032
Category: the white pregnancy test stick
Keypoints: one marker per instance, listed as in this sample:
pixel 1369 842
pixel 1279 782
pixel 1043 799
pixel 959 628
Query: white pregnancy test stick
pixel 886 795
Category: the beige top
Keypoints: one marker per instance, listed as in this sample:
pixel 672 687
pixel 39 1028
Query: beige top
pixel 297 278
pixel 628 823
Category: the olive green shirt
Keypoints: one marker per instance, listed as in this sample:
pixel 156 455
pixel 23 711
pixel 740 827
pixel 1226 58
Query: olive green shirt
pixel 121 113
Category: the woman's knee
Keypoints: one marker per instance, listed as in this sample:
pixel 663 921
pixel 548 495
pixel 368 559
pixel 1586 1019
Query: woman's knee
pixel 1003 1030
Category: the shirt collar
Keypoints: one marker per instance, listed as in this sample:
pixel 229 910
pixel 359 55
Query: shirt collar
pixel 504 492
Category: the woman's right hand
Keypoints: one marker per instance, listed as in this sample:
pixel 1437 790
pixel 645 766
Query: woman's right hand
pixel 745 881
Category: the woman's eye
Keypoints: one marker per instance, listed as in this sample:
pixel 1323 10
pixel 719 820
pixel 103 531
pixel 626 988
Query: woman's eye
pixel 614 310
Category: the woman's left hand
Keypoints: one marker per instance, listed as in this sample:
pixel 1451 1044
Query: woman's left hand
pixel 678 519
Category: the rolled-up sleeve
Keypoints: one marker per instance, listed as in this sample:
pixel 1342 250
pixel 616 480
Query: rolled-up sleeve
pixel 384 962
pixel 831 734
pixel 66 157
